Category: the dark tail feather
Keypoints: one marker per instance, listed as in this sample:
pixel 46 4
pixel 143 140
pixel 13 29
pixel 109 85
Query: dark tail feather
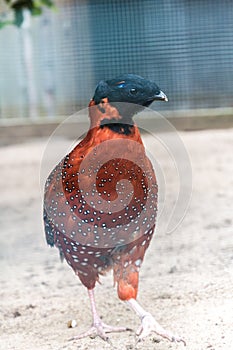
pixel 49 231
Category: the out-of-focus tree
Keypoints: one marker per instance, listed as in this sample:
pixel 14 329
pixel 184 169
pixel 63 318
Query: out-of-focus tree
pixel 19 6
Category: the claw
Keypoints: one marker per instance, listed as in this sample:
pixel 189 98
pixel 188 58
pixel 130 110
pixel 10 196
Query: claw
pixel 150 325
pixel 100 329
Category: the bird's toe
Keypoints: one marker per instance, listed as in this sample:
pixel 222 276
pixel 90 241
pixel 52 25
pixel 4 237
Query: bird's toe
pixel 100 330
pixel 149 325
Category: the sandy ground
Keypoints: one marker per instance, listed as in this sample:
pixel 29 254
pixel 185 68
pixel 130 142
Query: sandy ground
pixel 186 280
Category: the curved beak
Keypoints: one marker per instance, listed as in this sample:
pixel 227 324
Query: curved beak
pixel 161 96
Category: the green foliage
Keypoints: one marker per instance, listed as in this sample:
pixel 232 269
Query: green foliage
pixel 5 23
pixel 18 6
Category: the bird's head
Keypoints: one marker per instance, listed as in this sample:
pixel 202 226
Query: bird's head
pixel 121 98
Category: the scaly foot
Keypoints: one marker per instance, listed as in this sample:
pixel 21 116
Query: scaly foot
pixel 150 325
pixel 100 329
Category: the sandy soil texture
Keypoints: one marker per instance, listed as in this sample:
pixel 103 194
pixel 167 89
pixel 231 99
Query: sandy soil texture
pixel 186 280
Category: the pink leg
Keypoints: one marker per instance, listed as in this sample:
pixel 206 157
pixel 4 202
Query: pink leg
pixel 98 328
pixel 150 325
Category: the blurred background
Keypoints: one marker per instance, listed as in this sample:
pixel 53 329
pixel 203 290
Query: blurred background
pixel 52 55
pixel 51 63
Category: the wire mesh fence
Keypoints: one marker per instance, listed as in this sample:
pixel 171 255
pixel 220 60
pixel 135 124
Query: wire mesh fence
pixel 51 65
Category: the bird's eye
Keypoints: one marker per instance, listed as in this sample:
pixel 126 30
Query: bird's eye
pixel 133 91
